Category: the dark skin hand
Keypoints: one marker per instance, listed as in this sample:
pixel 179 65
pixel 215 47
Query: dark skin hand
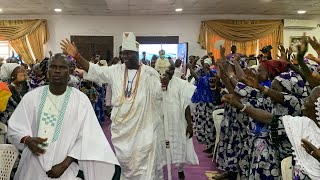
pixel 33 144
pixel 311 149
pixel 302 50
pixel 57 170
pixel 256 113
pixel 188 116
pixel 72 50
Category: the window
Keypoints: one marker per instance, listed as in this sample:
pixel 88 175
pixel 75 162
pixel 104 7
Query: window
pixel 4 49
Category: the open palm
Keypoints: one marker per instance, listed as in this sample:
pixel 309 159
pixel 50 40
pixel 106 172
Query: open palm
pixel 69 47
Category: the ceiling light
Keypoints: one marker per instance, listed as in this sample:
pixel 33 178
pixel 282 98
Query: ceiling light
pixel 0 10
pixel 302 12
pixel 179 9
pixel 57 10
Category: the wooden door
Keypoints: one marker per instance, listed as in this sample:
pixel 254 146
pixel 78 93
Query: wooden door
pixel 90 46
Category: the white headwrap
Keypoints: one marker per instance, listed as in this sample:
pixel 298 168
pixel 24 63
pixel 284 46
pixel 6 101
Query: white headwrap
pixel 7 69
pixel 208 61
pixel 298 128
pixel 129 42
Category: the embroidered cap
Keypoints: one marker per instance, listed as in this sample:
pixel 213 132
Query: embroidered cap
pixel 129 42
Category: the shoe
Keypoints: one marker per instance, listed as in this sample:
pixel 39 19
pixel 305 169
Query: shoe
pixel 181 175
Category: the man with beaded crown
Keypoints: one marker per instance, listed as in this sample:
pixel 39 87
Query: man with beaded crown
pixel 136 92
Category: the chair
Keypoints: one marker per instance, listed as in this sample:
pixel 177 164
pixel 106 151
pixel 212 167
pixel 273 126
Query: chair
pixel 217 118
pixel 286 168
pixel 3 132
pixel 8 156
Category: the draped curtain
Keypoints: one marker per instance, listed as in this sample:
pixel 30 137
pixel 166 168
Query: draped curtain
pixel 246 35
pixel 17 32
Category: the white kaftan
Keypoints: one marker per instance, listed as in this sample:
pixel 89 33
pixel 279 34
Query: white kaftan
pixel 72 129
pixel 135 123
pixel 175 101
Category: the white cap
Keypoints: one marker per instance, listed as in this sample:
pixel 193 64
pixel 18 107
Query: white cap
pixel 129 42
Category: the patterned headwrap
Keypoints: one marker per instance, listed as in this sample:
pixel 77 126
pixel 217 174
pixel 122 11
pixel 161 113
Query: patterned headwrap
pixel 275 67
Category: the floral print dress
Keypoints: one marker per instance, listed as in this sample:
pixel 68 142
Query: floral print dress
pixel 258 159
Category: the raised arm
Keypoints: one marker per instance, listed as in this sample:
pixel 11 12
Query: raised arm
pixel 72 50
pixel 255 113
pixel 94 73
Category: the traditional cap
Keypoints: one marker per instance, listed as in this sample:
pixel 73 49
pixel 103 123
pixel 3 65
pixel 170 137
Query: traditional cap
pixel 129 42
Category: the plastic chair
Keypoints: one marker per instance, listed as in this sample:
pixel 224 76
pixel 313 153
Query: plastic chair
pixel 217 118
pixel 286 168
pixel 8 156
pixel 3 132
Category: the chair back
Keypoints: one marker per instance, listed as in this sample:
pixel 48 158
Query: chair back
pixel 8 155
pixel 217 118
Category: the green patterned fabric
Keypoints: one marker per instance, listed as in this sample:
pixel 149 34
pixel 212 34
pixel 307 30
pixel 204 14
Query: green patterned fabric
pixel 54 121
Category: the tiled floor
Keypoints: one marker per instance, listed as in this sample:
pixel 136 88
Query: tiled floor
pixel 191 172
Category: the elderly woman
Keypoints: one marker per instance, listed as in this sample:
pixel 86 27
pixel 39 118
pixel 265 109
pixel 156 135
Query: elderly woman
pixel 301 132
pixel 14 75
pixel 37 78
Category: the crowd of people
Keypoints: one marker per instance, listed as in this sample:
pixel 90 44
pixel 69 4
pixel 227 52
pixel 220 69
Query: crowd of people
pixel 271 111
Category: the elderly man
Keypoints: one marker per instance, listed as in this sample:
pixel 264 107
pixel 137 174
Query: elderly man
pixel 136 91
pixel 58 131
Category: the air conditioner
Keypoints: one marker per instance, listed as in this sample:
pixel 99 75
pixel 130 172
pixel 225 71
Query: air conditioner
pixel 300 24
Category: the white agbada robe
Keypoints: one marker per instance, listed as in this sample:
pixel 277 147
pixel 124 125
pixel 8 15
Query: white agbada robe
pixel 134 130
pixel 76 134
pixel 175 101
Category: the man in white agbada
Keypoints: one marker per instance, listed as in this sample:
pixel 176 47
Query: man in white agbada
pixel 136 92
pixel 177 118
pixel 58 131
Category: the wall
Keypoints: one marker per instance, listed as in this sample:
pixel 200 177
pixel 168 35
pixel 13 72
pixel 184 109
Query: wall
pixel 186 27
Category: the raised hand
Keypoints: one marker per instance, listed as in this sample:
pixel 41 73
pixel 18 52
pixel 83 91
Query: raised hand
pixel 251 79
pixel 303 48
pixel 34 144
pixel 282 52
pixel 232 99
pixel 314 43
pixel 311 149
pixel 69 47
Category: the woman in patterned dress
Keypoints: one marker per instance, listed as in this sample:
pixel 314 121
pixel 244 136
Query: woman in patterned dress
pixel 37 78
pixel 207 102
pixel 311 111
pixel 14 75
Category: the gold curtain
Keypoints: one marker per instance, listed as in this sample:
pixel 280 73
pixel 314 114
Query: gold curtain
pixel 243 34
pixel 37 39
pixel 16 32
pixel 21 47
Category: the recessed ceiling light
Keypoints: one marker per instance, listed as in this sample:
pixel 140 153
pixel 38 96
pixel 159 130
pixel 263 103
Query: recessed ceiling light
pixel 302 12
pixel 179 9
pixel 57 10
pixel 0 10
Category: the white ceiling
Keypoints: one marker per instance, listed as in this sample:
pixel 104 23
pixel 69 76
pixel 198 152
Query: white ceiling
pixel 159 7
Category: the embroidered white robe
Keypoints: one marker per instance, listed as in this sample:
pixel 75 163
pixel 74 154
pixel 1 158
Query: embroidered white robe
pixel 175 101
pixel 134 126
pixel 80 137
